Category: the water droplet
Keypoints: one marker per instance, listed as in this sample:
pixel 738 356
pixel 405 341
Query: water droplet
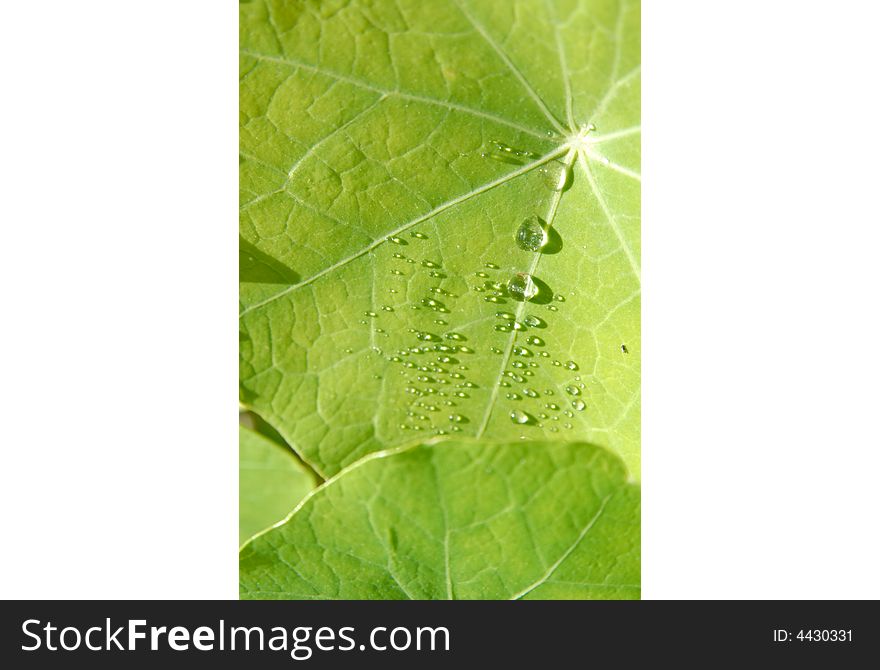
pixel 501 328
pixel 559 297
pixel 545 354
pixel 548 392
pixel 522 351
pixel 387 308
pixel 522 286
pixel 513 396
pixel 532 393
pixel 370 314
pixel 535 341
pixel 518 364
pixel 552 405
pixel 518 416
pixel 572 390
pixel 428 337
pixel 505 315
pixel 457 418
pixel 396 240
pixel 531 235
pixel 571 365
pixel 492 266
pixel 458 337
pixel 434 273
pixel 426 379
pixel 578 404
pixel 396 272
pixel 534 322
pixel 349 350
pixel 420 236
pixel 495 350
pixel 398 255
pixel 517 325
pixel 553 429
pixel 466 350
pixel 441 322
pixel 492 298
pixel 567 425
pixel 430 264
pixel 556 175
pixel 553 308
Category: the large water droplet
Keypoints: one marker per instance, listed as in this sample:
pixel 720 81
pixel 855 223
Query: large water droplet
pixel 571 365
pixel 532 393
pixel 518 416
pixel 522 286
pixel 578 404
pixel 534 321
pixel 535 341
pixel 531 235
pixel 572 390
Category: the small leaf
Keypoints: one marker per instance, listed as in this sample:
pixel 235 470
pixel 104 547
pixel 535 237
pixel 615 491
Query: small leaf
pixel 271 483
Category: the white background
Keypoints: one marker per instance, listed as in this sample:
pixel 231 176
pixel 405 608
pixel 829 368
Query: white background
pixel 761 334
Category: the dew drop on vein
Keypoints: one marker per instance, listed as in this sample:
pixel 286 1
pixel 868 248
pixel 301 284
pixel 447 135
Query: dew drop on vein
pixel 531 235
pixel 522 286
pixel 556 175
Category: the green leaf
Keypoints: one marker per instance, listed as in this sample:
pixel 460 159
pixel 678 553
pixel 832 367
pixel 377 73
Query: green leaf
pixel 271 483
pixel 366 120
pixel 459 519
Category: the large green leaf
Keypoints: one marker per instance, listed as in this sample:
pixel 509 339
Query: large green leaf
pixel 270 483
pixel 363 121
pixel 459 519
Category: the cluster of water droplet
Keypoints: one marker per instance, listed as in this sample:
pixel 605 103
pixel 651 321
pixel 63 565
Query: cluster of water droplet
pixel 432 369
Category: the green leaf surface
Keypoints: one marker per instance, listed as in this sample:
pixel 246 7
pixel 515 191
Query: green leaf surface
pixel 362 121
pixel 459 520
pixel 271 483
